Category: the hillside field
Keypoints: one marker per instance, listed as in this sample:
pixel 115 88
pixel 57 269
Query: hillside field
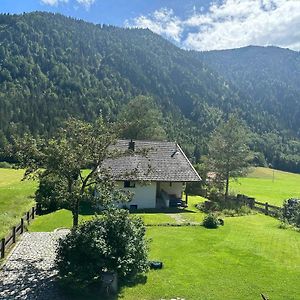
pixel 15 198
pixel 261 185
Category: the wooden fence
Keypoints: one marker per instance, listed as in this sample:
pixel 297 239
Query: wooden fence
pixel 264 207
pixel 17 230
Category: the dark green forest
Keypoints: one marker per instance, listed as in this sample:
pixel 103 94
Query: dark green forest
pixel 53 67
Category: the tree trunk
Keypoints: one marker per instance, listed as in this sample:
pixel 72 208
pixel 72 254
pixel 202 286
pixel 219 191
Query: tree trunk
pixel 75 213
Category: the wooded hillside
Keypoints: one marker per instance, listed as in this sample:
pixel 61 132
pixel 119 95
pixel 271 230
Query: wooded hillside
pixel 53 67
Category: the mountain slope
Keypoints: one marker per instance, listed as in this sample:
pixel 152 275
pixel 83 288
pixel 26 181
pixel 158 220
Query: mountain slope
pixel 53 67
pixel 270 76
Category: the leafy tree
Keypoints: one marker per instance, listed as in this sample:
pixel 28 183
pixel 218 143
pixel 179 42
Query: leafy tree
pixel 144 120
pixel 50 194
pixel 229 154
pixel 77 146
pixel 114 242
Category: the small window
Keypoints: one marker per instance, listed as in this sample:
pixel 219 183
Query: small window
pixel 133 207
pixel 129 184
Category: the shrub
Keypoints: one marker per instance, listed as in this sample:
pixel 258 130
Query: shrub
pixel 114 242
pixel 291 211
pixel 208 206
pixel 229 208
pixel 48 194
pixel 211 221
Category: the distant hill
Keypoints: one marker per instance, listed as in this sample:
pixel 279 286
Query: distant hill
pixel 270 76
pixel 53 67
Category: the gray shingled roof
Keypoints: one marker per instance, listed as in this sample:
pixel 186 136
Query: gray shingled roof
pixel 164 161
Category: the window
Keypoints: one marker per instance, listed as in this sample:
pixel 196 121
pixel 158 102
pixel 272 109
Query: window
pixel 133 207
pixel 129 184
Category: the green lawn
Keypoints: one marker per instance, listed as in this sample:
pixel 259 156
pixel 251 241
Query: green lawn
pixel 260 184
pixel 15 198
pixel 248 256
pixel 63 218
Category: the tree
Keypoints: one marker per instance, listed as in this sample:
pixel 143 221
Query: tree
pixel 78 146
pixel 144 120
pixel 114 242
pixel 229 154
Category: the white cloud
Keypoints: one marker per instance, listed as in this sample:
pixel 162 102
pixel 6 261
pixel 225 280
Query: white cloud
pixel 86 3
pixel 54 2
pixel 230 24
pixel 162 21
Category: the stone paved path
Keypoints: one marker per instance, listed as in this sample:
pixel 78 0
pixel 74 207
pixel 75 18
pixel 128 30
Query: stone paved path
pixel 28 272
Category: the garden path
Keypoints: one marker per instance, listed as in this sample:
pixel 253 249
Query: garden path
pixel 28 272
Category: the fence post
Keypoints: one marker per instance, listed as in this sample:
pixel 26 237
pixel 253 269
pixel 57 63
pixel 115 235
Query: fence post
pixel 266 208
pixel 14 234
pixel 32 212
pixel 22 225
pixel 27 217
pixel 251 202
pixel 2 247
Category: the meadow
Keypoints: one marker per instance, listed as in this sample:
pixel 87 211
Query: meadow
pixel 266 186
pixel 16 197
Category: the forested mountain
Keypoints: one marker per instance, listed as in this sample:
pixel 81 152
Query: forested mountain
pixel 53 67
pixel 270 77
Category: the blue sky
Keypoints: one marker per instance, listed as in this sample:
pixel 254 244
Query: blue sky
pixel 191 24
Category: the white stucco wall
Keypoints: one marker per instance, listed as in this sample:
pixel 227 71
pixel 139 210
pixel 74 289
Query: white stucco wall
pixel 144 195
pixel 175 188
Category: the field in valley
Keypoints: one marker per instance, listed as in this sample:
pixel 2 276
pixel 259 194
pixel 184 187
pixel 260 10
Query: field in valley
pixel 266 186
pixel 15 198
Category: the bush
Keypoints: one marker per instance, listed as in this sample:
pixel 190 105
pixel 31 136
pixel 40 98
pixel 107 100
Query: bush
pixel 291 211
pixel 114 242
pixel 208 206
pixel 211 221
pixel 48 194
pixel 229 208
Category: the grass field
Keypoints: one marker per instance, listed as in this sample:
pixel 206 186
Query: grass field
pixel 14 198
pixel 261 185
pixel 248 256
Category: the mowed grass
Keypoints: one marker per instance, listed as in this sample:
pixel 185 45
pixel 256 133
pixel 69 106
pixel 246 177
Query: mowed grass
pixel 248 256
pixel 260 185
pixel 15 198
pixel 63 218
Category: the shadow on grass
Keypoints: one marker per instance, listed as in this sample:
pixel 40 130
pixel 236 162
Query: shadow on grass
pixel 95 292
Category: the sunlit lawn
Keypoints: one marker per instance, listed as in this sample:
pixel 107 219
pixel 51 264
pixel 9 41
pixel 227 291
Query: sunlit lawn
pixel 248 256
pixel 15 198
pixel 261 184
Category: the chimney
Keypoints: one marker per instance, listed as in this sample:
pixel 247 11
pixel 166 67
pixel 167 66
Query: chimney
pixel 131 145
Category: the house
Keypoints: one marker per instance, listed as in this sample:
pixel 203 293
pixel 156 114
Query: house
pixel 155 172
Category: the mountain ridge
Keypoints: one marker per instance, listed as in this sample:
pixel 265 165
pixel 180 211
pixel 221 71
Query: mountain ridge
pixel 53 67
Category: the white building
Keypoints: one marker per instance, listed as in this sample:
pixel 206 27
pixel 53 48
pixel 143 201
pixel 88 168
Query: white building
pixel 155 172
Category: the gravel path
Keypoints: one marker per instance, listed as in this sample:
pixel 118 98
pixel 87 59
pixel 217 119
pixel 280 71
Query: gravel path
pixel 28 272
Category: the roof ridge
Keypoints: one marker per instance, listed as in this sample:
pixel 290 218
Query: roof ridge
pixel 189 162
